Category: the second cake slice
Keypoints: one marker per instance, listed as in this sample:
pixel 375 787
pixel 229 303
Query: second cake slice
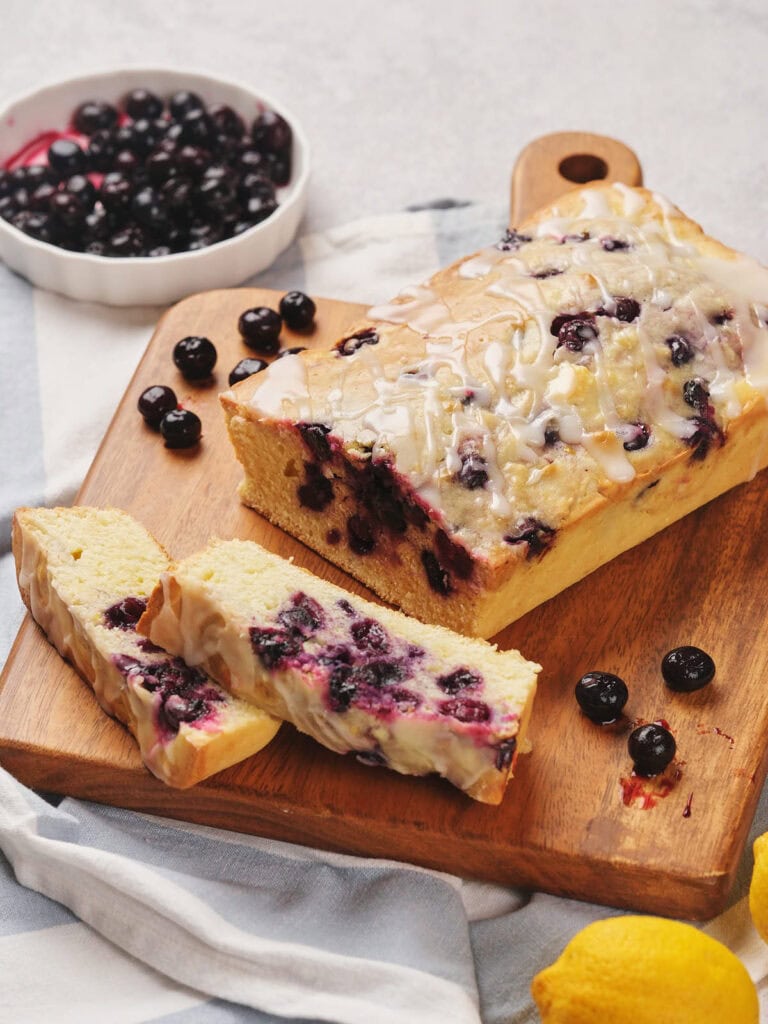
pixel 356 677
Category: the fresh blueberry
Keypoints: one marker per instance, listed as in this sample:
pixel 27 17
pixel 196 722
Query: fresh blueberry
pixel 183 102
pixel 116 192
pixel 195 357
pixel 254 184
pixel 155 402
pixel 93 116
pixel 686 669
pixel 181 428
pixel 149 210
pixel 246 368
pixel 271 133
pixel 146 135
pixel 197 129
pixel 651 748
pixel 601 696
pixel 279 168
pixel 217 189
pixel 260 329
pixel 65 158
pixel 291 351
pixel 81 186
pixel 102 148
pixel 228 122
pixel 161 166
pixel 297 311
pixel 67 209
pixel 141 103
pixel 36 224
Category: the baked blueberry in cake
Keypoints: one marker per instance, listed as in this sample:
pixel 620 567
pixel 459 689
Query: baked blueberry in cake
pixel 496 434
pixel 85 575
pixel 358 678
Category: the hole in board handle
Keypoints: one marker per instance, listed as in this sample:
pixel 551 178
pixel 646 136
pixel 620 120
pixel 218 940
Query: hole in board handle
pixel 583 167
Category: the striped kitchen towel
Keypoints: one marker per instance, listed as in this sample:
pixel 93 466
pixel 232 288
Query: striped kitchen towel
pixel 111 916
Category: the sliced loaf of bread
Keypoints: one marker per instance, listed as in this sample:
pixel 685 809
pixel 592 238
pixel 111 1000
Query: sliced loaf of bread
pixel 85 575
pixel 355 676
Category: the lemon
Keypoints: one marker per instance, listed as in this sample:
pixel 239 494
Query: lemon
pixel 645 970
pixel 758 889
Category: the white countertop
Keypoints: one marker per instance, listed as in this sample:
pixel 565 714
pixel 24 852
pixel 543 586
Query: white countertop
pixel 407 102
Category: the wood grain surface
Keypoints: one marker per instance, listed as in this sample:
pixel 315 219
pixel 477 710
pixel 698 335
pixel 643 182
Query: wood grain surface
pixel 554 164
pixel 571 822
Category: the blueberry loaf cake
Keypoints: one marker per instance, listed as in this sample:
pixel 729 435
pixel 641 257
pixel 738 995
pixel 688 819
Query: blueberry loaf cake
pixel 356 677
pixel 496 434
pixel 85 574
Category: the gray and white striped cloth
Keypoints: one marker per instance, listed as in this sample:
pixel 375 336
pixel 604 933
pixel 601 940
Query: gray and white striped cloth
pixel 110 915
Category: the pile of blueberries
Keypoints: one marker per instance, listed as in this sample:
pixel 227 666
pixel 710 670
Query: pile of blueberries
pixel 154 177
pixel 602 696
pixel 195 357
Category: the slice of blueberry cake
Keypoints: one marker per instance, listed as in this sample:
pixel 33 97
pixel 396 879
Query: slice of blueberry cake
pixel 356 677
pixel 85 574
pixel 494 435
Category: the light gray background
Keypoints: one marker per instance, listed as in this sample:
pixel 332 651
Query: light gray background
pixel 409 101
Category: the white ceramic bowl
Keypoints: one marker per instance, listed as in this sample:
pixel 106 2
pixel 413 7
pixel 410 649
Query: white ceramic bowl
pixel 159 280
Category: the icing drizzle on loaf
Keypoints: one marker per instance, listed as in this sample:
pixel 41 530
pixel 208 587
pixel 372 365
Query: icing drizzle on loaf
pixel 556 361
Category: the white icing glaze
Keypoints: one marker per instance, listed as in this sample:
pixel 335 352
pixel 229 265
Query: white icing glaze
pixel 490 336
pixel 285 381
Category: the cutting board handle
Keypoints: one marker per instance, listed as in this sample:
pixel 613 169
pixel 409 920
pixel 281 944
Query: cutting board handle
pixel 553 164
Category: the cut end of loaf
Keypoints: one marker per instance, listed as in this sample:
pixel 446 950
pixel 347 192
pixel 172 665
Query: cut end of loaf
pixel 85 574
pixel 358 678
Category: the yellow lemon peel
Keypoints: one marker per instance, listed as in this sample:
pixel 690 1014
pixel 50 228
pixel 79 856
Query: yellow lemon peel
pixel 645 970
pixel 758 889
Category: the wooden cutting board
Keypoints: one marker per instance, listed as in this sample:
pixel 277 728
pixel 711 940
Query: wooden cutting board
pixel 571 822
